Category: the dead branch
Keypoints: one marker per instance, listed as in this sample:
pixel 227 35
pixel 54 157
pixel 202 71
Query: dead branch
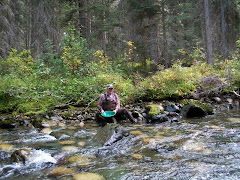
pixel 235 93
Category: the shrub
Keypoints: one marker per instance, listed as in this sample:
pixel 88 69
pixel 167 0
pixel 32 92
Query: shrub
pixel 18 62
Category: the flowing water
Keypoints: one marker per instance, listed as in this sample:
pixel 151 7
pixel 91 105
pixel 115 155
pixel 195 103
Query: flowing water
pixel 206 148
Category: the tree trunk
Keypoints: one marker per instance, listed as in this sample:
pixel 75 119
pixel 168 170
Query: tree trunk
pixel 224 43
pixel 208 33
pixel 29 27
pixel 165 48
pixel 152 37
pixel 104 34
pixel 82 19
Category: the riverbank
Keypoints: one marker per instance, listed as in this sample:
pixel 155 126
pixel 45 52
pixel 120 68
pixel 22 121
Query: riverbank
pixel 146 112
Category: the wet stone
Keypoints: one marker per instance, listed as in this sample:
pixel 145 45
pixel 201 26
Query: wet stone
pixel 46 130
pixel 88 176
pixel 67 142
pixel 6 147
pixel 70 148
pixel 79 160
pixel 20 155
pixel 137 156
pixel 61 170
pixel 81 143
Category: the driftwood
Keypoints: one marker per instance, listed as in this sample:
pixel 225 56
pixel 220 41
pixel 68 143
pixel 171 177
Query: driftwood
pixel 234 92
pixel 91 103
pixel 64 105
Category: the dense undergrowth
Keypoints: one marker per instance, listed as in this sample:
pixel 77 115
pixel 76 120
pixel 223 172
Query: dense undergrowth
pixel 79 75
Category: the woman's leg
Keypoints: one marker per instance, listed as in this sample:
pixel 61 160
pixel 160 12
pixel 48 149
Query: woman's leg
pixel 125 112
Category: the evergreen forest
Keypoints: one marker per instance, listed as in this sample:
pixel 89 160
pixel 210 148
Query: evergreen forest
pixel 55 52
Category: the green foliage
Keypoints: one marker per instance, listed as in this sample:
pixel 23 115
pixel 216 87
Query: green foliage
pixel 175 82
pixel 18 62
pixel 49 60
pixel 196 55
pixel 234 67
pixel 144 7
pixel 75 52
pixel 33 87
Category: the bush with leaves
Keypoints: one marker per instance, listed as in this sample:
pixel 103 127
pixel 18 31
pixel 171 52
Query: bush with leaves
pixel 18 62
pixel 174 82
pixel 75 52
pixel 49 60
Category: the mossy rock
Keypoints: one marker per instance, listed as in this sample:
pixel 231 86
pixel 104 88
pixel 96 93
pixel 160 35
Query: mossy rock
pixel 154 109
pixel 194 108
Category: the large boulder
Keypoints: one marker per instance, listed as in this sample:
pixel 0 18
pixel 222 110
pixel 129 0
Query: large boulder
pixel 158 118
pixel 171 107
pixel 194 108
pixel 154 114
pixel 110 134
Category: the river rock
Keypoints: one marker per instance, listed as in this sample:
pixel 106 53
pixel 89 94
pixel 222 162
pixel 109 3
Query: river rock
pixel 154 114
pixel 67 142
pixel 4 155
pixel 79 160
pixel 158 118
pixel 194 108
pixel 61 171
pixel 154 109
pixel 137 156
pixel 88 176
pixel 229 100
pixel 217 99
pixel 64 136
pixel 6 147
pixel 70 148
pixel 61 124
pixel 81 124
pixel 171 107
pixel 46 130
pixel 20 155
pixel 109 134
pixel 81 143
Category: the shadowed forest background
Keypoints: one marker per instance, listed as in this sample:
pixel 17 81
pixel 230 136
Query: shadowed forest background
pixel 54 52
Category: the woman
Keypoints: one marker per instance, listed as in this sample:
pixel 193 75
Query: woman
pixel 109 101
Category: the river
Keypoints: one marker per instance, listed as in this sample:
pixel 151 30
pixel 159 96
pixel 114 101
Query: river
pixel 204 148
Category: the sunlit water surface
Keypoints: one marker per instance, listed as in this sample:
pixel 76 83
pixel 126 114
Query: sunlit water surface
pixel 207 148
